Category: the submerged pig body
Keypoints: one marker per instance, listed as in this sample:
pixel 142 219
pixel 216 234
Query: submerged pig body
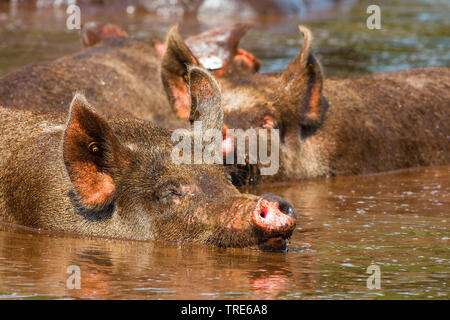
pixel 388 121
pixel 84 174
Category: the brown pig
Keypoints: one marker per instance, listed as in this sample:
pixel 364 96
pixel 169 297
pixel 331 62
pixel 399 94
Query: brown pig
pixel 334 126
pixel 119 75
pixel 115 178
pixel 331 126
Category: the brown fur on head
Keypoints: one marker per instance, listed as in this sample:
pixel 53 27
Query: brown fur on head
pixel 117 178
pixel 219 45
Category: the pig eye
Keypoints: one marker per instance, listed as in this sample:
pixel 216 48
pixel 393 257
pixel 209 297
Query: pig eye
pixel 169 194
pixel 94 148
pixel 186 77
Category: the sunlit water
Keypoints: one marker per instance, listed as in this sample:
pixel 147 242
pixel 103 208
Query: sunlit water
pixel 415 33
pixel 397 221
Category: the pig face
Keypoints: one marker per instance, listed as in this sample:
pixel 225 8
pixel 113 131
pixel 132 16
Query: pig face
pixel 292 103
pixel 122 176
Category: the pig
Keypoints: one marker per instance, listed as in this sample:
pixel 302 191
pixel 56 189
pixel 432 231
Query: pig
pixel 119 75
pixel 337 126
pixel 327 127
pixel 78 172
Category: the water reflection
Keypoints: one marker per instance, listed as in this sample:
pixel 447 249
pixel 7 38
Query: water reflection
pixel 37 263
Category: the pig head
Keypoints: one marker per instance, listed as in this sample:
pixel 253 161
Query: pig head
pixel 115 178
pixel 327 127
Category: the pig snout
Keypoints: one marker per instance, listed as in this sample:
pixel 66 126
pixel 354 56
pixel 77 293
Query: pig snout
pixel 275 219
pixel 265 222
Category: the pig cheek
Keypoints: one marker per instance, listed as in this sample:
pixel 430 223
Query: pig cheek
pixel 237 217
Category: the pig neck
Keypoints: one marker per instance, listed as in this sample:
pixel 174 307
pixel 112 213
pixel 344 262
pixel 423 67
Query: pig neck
pixel 31 169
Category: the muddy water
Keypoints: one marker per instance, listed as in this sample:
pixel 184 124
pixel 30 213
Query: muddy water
pixel 415 33
pixel 398 221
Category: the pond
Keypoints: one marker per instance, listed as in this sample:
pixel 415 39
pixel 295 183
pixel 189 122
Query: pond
pixel 397 221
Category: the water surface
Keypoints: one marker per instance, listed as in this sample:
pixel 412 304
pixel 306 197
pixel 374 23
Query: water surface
pixel 415 33
pixel 398 221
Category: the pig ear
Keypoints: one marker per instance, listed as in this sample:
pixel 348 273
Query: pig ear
pixel 217 48
pixel 174 72
pixel 92 33
pixel 303 82
pixel 92 155
pixel 206 99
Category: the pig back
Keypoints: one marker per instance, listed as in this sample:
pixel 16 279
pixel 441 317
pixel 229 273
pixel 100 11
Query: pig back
pixel 389 121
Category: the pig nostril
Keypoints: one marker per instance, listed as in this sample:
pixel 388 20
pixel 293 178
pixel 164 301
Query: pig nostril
pixel 263 213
